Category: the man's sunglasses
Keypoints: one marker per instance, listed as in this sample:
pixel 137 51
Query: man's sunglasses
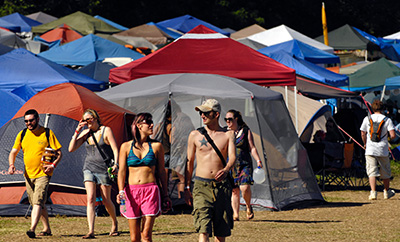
pixel 149 122
pixel 29 120
pixel 228 119
pixel 205 113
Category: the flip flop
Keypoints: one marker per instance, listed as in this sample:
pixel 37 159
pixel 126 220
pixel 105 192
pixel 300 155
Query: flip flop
pixel 250 213
pixel 89 236
pixel 44 233
pixel 31 234
pixel 115 233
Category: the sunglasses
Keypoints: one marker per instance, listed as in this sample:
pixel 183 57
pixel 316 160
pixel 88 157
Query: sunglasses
pixel 228 119
pixel 88 119
pixel 149 122
pixel 29 120
pixel 205 113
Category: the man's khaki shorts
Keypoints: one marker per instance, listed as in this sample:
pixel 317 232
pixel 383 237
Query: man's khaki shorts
pixel 36 188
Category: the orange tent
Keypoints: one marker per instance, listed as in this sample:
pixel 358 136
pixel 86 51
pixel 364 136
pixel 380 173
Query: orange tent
pixel 64 33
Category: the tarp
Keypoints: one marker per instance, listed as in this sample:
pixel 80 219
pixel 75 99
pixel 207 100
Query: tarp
pixel 42 17
pixel 81 22
pixel 282 34
pixel 87 50
pixel 150 32
pixel 115 25
pixel 20 67
pixel 205 51
pixel 347 38
pixel 65 103
pixel 372 77
pixel 97 70
pixel 20 20
pixel 9 105
pixel 64 33
pixel 303 51
pixel 186 23
pixel 308 69
pixel 290 179
pixel 245 32
pixel 10 39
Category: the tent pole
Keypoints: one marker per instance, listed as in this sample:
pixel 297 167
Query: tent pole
pixel 383 92
pixel 286 97
pixel 46 121
pixel 295 108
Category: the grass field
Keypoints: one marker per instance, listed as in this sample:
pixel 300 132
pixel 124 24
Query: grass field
pixel 348 216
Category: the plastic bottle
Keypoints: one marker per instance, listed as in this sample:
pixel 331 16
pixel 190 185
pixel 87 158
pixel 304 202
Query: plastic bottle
pixel 122 206
pixel 259 175
pixel 112 176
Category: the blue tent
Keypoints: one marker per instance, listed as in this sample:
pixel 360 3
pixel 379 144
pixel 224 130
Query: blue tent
pixel 111 23
pixel 86 50
pixel 20 20
pixel 7 25
pixel 303 51
pixel 309 70
pixel 9 106
pixel 97 70
pixel 20 67
pixel 186 23
pixel 25 92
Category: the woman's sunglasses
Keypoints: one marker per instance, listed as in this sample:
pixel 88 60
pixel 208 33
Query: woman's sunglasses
pixel 149 122
pixel 228 119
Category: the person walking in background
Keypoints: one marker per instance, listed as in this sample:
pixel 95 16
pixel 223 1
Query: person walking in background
pixel 242 171
pixel 33 141
pixel 142 158
pixel 377 151
pixel 212 191
pixel 95 168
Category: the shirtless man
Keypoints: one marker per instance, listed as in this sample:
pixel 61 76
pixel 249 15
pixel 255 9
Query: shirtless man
pixel 212 193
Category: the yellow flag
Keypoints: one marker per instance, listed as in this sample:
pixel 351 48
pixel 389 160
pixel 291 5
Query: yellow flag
pixel 324 25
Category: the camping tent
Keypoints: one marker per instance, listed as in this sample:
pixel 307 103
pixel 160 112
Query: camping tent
pixel 23 22
pixel 10 39
pixel 25 92
pixel 20 67
pixel 91 48
pixel 41 17
pixel 252 44
pixel 245 32
pixel 186 23
pixel 136 42
pixel 372 77
pixel 9 105
pixel 9 26
pixel 81 22
pixel 282 34
pixel 303 51
pixel 5 49
pixel 115 25
pixel 65 103
pixel 290 178
pixel 205 51
pixel 97 70
pixel 63 33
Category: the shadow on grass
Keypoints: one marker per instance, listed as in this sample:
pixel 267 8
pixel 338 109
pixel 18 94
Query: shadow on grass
pixel 296 221
pixel 175 233
pixel 102 234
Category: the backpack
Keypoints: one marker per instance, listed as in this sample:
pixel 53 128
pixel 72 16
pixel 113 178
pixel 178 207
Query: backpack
pixel 47 136
pixel 375 129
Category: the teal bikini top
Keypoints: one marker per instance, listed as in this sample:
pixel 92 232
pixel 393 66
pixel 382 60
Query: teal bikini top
pixel 148 160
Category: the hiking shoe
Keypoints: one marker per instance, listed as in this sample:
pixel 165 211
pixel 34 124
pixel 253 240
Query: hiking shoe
pixel 388 194
pixel 372 195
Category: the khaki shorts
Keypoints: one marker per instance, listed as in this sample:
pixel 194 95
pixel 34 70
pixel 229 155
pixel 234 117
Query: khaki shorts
pixel 36 188
pixel 372 166
pixel 212 210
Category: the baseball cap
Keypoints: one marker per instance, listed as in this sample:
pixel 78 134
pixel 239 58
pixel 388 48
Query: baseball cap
pixel 209 105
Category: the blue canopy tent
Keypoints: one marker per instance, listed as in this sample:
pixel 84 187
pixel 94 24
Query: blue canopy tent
pixel 186 23
pixel 308 69
pixel 115 25
pixel 20 67
pixel 9 106
pixel 97 70
pixel 25 92
pixel 303 51
pixel 20 20
pixel 7 25
pixel 86 50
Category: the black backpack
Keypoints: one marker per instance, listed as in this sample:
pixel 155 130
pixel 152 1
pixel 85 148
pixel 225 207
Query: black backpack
pixel 375 129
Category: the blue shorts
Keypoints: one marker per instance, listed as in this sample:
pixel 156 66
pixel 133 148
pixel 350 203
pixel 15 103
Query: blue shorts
pixel 98 178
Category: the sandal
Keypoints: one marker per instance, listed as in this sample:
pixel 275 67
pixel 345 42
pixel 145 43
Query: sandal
pixel 250 213
pixel 115 233
pixel 89 236
pixel 31 234
pixel 235 218
pixel 44 233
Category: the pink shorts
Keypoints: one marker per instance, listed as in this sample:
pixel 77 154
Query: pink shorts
pixel 142 200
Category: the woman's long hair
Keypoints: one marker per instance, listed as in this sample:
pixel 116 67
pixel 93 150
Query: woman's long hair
pixel 238 116
pixel 135 130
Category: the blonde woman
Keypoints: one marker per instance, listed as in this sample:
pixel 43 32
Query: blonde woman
pixel 94 168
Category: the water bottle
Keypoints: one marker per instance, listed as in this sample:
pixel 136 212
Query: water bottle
pixel 259 175
pixel 112 176
pixel 122 206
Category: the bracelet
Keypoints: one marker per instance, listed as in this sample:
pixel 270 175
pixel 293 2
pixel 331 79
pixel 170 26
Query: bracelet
pixel 76 131
pixel 121 191
pixel 11 165
pixel 187 187
pixel 53 165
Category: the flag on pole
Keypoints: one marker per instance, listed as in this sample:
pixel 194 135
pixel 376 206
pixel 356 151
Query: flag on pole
pixel 324 25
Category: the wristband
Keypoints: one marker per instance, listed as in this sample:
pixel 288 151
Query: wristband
pixel 76 131
pixel 121 191
pixel 53 165
pixel 187 187
pixel 11 165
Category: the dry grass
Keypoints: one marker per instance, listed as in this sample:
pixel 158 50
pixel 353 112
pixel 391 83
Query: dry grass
pixel 348 216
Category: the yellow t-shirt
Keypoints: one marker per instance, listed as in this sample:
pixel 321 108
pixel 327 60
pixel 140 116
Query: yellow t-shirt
pixel 33 147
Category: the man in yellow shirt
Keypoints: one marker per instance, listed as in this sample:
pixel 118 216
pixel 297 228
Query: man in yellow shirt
pixel 33 142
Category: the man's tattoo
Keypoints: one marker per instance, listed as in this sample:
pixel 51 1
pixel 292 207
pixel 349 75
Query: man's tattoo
pixel 203 142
